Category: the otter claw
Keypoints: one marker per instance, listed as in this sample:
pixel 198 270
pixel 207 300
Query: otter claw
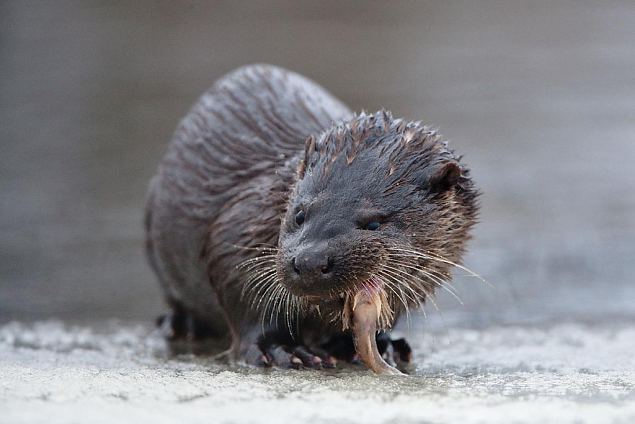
pixel 307 357
pixel 283 359
pixel 328 360
pixel 296 357
pixel 255 357
pixel 280 356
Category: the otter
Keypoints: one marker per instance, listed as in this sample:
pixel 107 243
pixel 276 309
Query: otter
pixel 299 230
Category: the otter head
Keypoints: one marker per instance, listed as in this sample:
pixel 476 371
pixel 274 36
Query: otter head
pixel 381 209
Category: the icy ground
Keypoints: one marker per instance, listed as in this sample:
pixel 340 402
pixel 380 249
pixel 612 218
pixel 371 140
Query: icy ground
pixel 571 373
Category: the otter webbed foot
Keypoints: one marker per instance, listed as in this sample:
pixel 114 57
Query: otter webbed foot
pixel 273 349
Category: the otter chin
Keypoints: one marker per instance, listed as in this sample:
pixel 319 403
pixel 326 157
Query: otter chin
pixel 277 208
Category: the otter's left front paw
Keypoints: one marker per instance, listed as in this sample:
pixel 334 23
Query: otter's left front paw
pixel 395 351
pixel 402 350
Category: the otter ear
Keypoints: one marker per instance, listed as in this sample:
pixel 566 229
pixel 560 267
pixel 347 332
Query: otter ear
pixel 444 176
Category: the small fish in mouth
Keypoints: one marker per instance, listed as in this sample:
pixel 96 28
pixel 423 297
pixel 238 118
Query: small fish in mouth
pixel 364 313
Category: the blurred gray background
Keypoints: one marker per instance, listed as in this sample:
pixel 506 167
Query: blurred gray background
pixel 538 96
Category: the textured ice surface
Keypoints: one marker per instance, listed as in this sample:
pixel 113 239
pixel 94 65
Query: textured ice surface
pixel 56 373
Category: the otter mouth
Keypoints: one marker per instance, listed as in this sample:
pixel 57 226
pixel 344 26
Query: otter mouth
pixel 365 311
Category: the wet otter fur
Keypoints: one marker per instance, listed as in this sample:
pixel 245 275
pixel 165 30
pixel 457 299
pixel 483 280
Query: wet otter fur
pixel 301 230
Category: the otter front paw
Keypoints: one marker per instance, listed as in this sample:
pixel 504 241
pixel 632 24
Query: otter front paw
pixel 269 350
pixel 395 351
pixel 402 352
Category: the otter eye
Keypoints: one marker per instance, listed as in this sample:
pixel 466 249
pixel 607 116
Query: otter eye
pixel 372 226
pixel 299 217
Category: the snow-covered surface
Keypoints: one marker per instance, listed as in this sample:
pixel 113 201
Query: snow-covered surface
pixel 56 373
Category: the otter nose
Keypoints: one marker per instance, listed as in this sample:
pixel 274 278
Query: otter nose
pixel 312 264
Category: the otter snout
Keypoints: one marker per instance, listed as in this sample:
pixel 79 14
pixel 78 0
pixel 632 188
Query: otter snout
pixel 311 270
pixel 309 264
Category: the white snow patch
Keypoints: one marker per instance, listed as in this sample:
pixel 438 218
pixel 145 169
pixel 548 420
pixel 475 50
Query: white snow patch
pixel 55 373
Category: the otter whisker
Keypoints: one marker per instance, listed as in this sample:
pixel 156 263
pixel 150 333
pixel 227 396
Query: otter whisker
pixel 409 291
pixel 247 267
pixel 287 311
pixel 264 292
pixel 394 283
pixel 293 313
pixel 255 279
pixel 263 247
pixel 416 253
pixel 270 297
pixel 405 279
pixel 285 307
pixel 261 287
pixel 257 260
pixel 275 305
pixel 280 301
pixel 398 273
pixel 301 307
pixel 386 280
pixel 440 277
pixel 398 283
pixel 440 282
pixel 417 303
pixel 254 283
pixel 258 299
pixel 275 297
pixel 400 295
pixel 259 272
pixel 406 297
pixel 427 255
pixel 279 296
pixel 255 270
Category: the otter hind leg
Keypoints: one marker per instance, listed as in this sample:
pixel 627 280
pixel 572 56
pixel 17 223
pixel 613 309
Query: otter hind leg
pixel 174 324
pixel 179 324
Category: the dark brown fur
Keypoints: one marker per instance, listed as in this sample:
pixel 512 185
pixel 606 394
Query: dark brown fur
pixel 260 146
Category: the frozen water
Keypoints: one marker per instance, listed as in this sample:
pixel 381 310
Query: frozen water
pixel 58 373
